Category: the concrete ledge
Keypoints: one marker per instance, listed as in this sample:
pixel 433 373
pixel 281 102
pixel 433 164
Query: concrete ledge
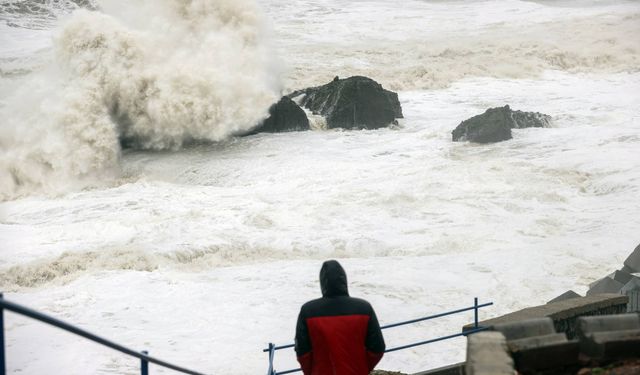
pixel 610 337
pixel 536 342
pixel 589 325
pixel 526 328
pixel 487 355
pixel 612 345
pixel 564 313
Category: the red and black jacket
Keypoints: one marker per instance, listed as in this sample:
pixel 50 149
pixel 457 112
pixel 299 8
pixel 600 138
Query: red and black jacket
pixel 337 334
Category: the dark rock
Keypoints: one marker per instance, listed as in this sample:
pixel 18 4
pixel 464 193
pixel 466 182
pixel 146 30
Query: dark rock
pixel 530 119
pixel 352 103
pixel 284 116
pixel 495 125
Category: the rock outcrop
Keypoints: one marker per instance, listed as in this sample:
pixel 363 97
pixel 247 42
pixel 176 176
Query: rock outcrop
pixel 352 103
pixel 495 125
pixel 284 116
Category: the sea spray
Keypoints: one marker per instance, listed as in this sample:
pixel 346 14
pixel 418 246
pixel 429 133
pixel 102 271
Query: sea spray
pixel 183 71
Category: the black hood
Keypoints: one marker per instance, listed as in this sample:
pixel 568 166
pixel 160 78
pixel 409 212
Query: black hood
pixel 333 279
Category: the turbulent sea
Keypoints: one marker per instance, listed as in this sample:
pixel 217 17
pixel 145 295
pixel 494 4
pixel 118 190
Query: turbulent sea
pixel 200 246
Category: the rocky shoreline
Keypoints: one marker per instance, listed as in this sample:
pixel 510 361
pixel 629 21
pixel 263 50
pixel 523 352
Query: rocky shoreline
pixel 625 281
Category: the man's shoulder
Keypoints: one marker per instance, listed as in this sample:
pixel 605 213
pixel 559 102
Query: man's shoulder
pixel 337 305
pixel 312 303
pixel 360 301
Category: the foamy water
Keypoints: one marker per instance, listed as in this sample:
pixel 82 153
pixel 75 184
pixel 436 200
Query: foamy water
pixel 203 254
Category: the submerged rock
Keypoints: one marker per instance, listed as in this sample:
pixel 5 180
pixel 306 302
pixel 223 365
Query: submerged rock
pixel 284 116
pixel 352 103
pixel 495 125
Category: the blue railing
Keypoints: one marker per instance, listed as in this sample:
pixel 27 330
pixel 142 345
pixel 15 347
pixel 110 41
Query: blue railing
pixel 143 355
pixel 476 328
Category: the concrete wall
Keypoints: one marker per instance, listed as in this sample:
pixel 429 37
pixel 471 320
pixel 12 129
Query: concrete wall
pixel 565 313
pixel 634 301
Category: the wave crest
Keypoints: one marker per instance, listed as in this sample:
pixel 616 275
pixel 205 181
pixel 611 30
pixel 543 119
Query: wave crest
pixel 197 71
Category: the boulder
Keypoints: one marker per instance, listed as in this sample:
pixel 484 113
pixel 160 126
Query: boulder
pixel 605 285
pixel 352 103
pixel 633 261
pixel 621 276
pixel 565 296
pixel 530 119
pixel 495 125
pixel 284 116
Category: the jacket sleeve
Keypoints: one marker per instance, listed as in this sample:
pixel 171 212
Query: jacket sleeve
pixel 374 342
pixel 303 344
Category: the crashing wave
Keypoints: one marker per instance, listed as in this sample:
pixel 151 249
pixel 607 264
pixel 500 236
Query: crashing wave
pixel 168 73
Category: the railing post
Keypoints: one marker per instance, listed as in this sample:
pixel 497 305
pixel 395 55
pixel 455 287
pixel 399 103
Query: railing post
pixel 3 365
pixel 271 354
pixel 475 312
pixel 144 364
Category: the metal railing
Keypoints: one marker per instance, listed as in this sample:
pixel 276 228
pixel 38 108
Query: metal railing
pixel 476 328
pixel 144 357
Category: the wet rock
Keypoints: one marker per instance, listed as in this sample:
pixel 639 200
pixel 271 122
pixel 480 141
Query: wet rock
pixel 352 103
pixel 284 116
pixel 495 125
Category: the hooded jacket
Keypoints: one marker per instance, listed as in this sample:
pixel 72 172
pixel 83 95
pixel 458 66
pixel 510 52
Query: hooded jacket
pixel 337 334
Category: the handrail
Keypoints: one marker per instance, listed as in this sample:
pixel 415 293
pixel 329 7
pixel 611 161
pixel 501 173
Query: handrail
pixel 22 310
pixel 476 328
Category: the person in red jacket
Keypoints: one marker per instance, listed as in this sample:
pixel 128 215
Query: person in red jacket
pixel 337 334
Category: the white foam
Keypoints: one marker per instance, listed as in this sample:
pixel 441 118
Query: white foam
pixel 205 254
pixel 235 232
pixel 430 44
pixel 193 71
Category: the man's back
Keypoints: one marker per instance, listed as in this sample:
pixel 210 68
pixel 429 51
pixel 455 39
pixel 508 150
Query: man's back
pixel 337 334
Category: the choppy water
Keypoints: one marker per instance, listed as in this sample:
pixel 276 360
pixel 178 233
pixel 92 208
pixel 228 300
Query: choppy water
pixel 202 254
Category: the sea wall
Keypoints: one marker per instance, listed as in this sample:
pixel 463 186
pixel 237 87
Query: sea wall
pixel 565 313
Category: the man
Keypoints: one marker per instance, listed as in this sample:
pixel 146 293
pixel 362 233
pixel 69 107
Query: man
pixel 337 334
